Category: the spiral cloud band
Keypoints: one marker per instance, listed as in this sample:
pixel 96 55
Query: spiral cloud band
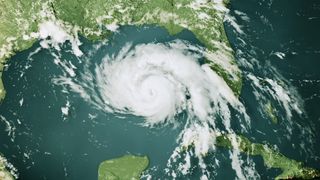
pixel 157 81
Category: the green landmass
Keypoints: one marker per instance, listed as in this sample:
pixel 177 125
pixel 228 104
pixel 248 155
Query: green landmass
pixel 271 113
pixel 4 173
pixel 94 19
pixel 131 167
pixel 128 167
pixel 290 168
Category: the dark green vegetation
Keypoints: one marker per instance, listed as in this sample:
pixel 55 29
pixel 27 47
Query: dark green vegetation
pixel 291 169
pixel 16 20
pixel 127 167
pixel 271 113
pixel 20 20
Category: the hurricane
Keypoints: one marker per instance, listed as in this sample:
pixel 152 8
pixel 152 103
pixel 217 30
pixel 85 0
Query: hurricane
pixel 160 81
pixel 161 84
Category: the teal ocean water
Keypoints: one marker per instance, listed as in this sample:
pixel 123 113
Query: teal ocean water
pixel 48 131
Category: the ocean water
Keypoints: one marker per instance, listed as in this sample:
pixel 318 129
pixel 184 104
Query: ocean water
pixel 276 41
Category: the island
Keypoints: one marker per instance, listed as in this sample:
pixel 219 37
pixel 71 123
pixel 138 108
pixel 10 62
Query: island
pixel 4 173
pixel 127 167
pixel 291 169
pixel 131 167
